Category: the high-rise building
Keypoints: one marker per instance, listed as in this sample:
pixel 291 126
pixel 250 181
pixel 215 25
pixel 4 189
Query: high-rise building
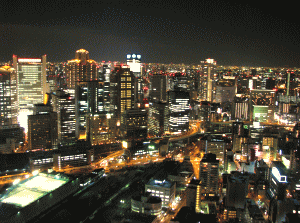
pixel 134 63
pixel 205 86
pixel 209 174
pixel 8 96
pixel 225 90
pixel 261 98
pixel 134 125
pixel 241 106
pixel 179 109
pixel 237 190
pixel 82 68
pixel 158 87
pixel 42 128
pixel 31 84
pixel 158 118
pixel 64 106
pixel 89 100
pixel 121 94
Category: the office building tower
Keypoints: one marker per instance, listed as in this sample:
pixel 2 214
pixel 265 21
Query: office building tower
pixel 225 90
pixel 237 190
pixel 31 84
pixel 179 82
pixel 209 174
pixel 8 96
pixel 158 118
pixel 42 128
pixel 179 109
pixel 133 126
pixel 82 68
pixel 158 87
pixel 204 113
pixel 163 189
pixel 278 181
pixel 104 76
pixel 134 63
pixel 241 106
pixel 217 145
pixel 121 94
pixel 262 103
pixel 89 100
pixel 12 136
pixel 64 106
pixel 207 69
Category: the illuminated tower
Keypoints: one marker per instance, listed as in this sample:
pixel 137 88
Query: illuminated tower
pixel 121 95
pixel 206 80
pixel 82 68
pixel 31 84
pixel 134 63
pixel 179 111
pixel 8 96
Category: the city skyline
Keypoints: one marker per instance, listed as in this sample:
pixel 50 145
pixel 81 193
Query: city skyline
pixel 233 34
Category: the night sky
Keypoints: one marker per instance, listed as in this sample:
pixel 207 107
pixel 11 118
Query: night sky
pixel 250 34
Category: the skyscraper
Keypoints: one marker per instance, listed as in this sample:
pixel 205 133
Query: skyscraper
pixel 208 174
pixel 31 84
pixel 82 68
pixel 42 128
pixel 179 111
pixel 121 91
pixel 64 106
pixel 89 100
pixel 206 80
pixel 134 63
pixel 8 96
pixel 158 87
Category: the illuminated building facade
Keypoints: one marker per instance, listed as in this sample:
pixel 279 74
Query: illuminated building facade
pixel 205 87
pixel 121 95
pixel 134 125
pixel 163 189
pixel 8 96
pixel 64 106
pixel 179 111
pixel 31 84
pixel 278 181
pixel 240 109
pixel 208 174
pixel 146 204
pixel 134 63
pixel 158 119
pixel 263 98
pixel 89 100
pixel 82 68
pixel 42 128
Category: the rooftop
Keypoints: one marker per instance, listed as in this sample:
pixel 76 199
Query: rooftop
pixel 30 190
pixel 160 183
